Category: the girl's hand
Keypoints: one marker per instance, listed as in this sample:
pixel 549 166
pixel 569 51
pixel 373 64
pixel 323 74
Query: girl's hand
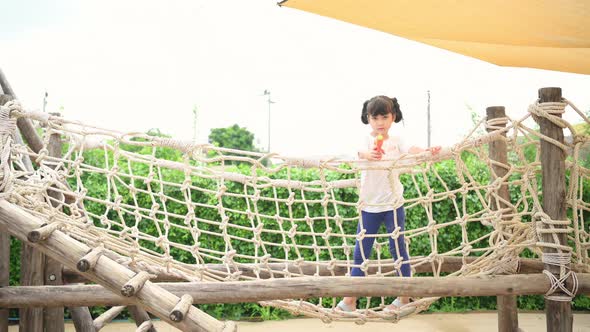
pixel 372 155
pixel 375 155
pixel 434 150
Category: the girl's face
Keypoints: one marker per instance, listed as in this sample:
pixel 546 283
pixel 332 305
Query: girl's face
pixel 381 123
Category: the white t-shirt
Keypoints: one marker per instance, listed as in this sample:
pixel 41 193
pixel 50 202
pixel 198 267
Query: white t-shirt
pixel 381 190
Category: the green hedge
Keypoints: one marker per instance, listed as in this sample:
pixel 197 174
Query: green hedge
pixel 449 238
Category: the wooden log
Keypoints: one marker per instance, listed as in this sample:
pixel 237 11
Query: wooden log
pixel 498 151
pixel 32 274
pixel 54 317
pixel 89 261
pixel 106 272
pixel 107 317
pixel 135 284
pixel 82 319
pixel 295 288
pixel 448 265
pixel 42 233
pixel 181 308
pixel 558 313
pixel 4 275
pixel 140 316
pixel 145 326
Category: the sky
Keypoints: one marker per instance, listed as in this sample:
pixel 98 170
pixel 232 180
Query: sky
pixel 135 65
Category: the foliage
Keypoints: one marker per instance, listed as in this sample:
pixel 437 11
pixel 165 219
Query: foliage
pixel 233 137
pixel 236 137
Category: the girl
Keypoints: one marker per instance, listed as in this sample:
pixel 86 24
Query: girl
pixel 381 192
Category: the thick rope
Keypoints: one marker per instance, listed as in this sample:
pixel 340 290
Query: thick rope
pixel 287 225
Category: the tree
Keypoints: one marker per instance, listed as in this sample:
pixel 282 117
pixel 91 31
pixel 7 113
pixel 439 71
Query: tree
pixel 233 137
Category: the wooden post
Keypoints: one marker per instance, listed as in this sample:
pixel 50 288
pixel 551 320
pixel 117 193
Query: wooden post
pixel 4 275
pixel 507 307
pixel 82 319
pixel 558 313
pixel 32 273
pixel 4 254
pixel 54 317
pixel 140 316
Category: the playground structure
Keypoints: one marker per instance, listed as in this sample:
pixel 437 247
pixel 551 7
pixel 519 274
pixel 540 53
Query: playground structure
pixel 214 225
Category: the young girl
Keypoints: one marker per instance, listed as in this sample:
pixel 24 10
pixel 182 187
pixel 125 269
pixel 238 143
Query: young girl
pixel 381 192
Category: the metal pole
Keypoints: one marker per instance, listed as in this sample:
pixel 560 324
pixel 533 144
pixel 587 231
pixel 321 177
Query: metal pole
pixel 269 101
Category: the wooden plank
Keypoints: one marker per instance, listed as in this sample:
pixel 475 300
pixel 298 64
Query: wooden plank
pixel 107 272
pixel 294 288
pixel 498 151
pixel 558 313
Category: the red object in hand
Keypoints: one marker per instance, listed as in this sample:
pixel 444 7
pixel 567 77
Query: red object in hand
pixel 379 144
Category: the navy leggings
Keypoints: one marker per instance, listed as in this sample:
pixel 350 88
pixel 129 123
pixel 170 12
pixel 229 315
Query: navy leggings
pixel 371 223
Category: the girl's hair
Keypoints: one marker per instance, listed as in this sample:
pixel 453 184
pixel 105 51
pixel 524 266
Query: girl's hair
pixel 381 105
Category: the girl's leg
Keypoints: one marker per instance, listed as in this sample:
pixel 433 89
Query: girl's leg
pixel 399 245
pixel 370 222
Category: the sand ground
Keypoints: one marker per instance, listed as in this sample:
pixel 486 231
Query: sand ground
pixel 469 322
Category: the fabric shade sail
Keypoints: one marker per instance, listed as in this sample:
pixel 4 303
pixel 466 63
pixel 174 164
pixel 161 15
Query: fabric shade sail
pixel 553 35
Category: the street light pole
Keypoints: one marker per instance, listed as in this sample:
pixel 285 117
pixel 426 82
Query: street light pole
pixel 269 101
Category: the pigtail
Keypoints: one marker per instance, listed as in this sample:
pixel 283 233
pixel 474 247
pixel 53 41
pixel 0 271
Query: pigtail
pixel 396 110
pixel 364 113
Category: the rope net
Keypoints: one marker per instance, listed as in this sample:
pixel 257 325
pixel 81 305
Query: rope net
pixel 209 214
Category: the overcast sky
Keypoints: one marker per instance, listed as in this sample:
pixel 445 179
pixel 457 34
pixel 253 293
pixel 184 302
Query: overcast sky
pixel 135 65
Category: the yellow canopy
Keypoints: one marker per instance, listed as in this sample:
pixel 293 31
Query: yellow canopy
pixel 543 34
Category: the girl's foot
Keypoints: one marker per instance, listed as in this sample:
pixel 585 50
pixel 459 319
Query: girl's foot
pixel 397 304
pixel 347 304
pixel 342 306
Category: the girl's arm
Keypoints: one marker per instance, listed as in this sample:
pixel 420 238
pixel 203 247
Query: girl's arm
pixel 434 150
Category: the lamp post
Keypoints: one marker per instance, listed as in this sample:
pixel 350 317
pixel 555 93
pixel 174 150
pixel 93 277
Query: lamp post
pixel 269 101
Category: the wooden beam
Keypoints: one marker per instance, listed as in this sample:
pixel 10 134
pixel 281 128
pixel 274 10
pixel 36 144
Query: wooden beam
pixel 54 317
pixel 448 265
pixel 140 316
pixel 498 151
pixel 294 288
pixel 82 319
pixel 107 272
pixel 558 313
pixel 32 273
pixel 107 317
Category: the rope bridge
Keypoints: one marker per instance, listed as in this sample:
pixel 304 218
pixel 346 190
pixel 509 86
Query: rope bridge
pixel 202 213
